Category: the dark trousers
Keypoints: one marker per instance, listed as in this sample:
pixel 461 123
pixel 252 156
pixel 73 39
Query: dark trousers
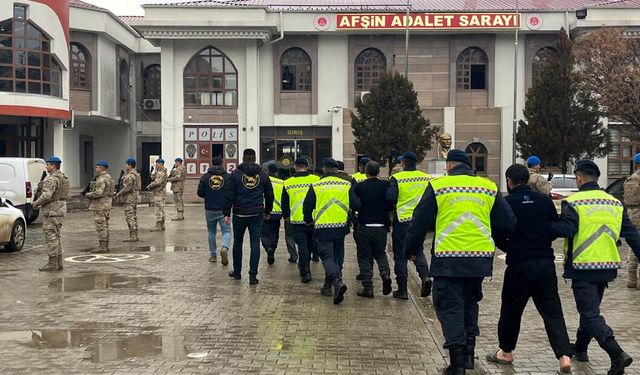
pixel 371 243
pixel 588 297
pixel 456 302
pixel 270 233
pixel 290 241
pixel 303 236
pixel 330 253
pixel 240 225
pixel 535 279
pixel 400 258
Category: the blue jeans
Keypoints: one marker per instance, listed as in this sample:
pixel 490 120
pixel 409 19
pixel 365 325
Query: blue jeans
pixel 214 218
pixel 240 225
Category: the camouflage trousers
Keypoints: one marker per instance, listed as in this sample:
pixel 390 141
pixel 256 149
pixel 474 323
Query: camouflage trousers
pixel 632 265
pixel 131 215
pixel 51 226
pixel 177 198
pixel 158 207
pixel 101 218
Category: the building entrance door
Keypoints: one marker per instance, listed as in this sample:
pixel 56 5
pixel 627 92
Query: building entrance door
pixel 285 145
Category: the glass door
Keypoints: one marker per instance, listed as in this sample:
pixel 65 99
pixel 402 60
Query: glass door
pixel 305 149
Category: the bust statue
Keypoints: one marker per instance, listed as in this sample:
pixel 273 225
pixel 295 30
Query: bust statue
pixel 445 144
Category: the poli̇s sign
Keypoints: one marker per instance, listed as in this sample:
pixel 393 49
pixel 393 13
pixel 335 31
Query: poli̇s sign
pixel 427 21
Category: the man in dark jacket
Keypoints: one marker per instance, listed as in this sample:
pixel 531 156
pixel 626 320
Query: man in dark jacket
pixel 469 212
pixel 271 226
pixel 531 271
pixel 373 222
pixel 592 221
pixel 284 174
pixel 213 187
pixel 251 196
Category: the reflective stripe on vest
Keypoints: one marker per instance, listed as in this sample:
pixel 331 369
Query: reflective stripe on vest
pixel 463 226
pixel 599 224
pixel 297 188
pixel 359 177
pixel 411 187
pixel 278 185
pixel 332 203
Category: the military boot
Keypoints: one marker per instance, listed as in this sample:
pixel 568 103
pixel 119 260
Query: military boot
pixel 103 248
pixel 52 264
pixel 179 217
pixel 469 353
pixel 386 283
pixel 456 358
pixel 339 290
pixel 60 261
pixel 133 236
pixel 305 274
pixel 326 288
pixel 158 228
pixel 401 293
pixel 619 359
pixel 365 292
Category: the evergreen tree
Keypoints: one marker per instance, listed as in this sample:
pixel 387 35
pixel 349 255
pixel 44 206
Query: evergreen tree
pixel 390 121
pixel 562 123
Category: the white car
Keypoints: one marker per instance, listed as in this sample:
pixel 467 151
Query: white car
pixel 13 226
pixel 563 186
pixel 19 179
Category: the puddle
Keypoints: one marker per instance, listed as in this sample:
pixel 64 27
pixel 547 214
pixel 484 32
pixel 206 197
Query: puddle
pixel 102 349
pixel 100 281
pixel 165 249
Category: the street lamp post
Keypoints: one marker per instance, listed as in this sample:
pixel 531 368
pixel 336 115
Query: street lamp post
pixel 515 84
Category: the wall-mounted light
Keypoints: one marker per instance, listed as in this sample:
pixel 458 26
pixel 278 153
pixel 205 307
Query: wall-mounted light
pixel 189 118
pixel 581 14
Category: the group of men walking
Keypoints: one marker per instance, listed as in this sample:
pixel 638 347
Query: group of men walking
pixel 467 213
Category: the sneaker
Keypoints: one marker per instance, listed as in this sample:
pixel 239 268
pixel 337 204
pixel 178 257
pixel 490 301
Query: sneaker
pixel 213 258
pixel 223 255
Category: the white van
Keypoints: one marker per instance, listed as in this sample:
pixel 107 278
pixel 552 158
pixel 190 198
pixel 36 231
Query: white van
pixel 19 179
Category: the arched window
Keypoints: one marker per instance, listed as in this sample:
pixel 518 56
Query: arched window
pixel 478 155
pixel 26 62
pixel 151 84
pixel 369 65
pixel 124 88
pixel 540 58
pixel 295 70
pixel 80 67
pixel 471 71
pixel 210 80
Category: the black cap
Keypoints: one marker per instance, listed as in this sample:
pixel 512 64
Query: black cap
pixel 340 165
pixel 330 163
pixel 364 160
pixel 217 160
pixel 588 166
pixel 410 156
pixel 301 161
pixel 459 156
pixel 272 168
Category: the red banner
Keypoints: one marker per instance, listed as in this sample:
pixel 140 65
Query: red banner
pixel 426 21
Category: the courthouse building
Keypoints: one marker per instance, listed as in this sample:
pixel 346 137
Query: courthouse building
pixel 204 78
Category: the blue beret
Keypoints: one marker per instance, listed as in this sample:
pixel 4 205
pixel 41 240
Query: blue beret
pixel 301 161
pixel 161 161
pixel 364 160
pixel 410 156
pixel 533 160
pixel 636 159
pixel 588 166
pixel 458 156
pixel 178 159
pixel 103 163
pixel 330 162
pixel 54 159
pixel 130 161
pixel 398 158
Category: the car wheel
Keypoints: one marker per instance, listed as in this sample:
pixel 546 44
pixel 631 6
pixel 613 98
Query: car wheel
pixel 18 235
pixel 33 215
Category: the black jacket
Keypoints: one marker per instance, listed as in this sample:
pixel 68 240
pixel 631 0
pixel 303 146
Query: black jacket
pixel 214 188
pixel 324 234
pixel 250 190
pixel 568 227
pixel 424 218
pixel 369 202
pixel 532 236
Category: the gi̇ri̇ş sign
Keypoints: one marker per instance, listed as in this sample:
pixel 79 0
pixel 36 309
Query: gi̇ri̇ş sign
pixel 427 21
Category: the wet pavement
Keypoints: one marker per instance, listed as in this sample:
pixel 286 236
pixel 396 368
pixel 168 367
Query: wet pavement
pixel 159 307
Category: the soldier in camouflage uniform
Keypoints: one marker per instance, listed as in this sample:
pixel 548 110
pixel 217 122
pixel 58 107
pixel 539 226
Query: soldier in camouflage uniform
pixel 536 181
pixel 51 198
pixel 158 187
pixel 177 177
pixel 129 192
pixel 101 196
pixel 632 203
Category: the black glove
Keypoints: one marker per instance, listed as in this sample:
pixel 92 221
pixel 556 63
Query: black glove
pixel 550 177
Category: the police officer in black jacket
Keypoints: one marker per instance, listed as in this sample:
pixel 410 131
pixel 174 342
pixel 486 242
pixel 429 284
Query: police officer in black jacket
pixel 251 196
pixel 531 271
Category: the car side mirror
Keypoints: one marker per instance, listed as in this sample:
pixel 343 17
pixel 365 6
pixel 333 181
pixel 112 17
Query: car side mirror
pixel 3 202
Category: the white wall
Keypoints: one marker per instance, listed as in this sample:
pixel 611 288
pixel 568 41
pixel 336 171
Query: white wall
pixel 107 80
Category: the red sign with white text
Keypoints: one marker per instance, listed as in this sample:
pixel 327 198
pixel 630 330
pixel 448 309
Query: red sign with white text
pixel 426 21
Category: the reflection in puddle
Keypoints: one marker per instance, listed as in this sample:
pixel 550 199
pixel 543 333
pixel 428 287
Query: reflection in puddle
pixel 164 249
pixel 100 280
pixel 102 349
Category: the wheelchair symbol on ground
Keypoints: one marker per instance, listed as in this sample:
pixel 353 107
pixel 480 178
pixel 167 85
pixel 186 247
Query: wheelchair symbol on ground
pixel 106 258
